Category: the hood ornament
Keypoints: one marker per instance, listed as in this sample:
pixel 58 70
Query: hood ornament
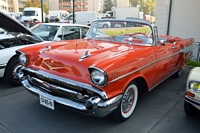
pixel 87 54
pixel 47 48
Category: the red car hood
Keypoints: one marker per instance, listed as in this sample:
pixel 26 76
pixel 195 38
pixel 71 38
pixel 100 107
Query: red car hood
pixel 64 59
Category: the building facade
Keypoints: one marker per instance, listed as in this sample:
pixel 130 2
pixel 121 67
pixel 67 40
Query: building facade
pixel 15 5
pixel 80 5
pixel 179 18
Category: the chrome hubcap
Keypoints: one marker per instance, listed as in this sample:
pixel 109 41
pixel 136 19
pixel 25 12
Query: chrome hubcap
pixel 16 69
pixel 127 101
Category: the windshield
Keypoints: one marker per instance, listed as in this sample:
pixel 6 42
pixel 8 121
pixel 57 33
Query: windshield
pixel 46 32
pixel 28 13
pixel 125 31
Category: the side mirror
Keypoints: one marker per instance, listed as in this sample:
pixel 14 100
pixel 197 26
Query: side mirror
pixel 57 39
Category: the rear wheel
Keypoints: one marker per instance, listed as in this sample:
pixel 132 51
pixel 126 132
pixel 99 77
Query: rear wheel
pixel 12 69
pixel 190 110
pixel 127 104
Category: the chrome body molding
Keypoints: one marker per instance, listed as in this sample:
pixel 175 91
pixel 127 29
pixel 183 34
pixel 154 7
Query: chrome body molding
pixel 2 69
pixel 125 75
pixel 68 81
pixel 102 107
pixel 3 66
pixel 192 101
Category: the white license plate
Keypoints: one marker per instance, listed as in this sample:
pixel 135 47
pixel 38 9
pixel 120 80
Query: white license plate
pixel 47 102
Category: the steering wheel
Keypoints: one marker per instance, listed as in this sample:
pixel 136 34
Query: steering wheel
pixel 140 33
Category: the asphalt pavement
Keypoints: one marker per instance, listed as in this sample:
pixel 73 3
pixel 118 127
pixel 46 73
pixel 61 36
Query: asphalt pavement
pixel 158 111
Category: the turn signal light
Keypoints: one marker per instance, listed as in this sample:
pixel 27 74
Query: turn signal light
pixel 190 94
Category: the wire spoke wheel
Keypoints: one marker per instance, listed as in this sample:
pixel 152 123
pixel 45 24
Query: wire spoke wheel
pixel 127 104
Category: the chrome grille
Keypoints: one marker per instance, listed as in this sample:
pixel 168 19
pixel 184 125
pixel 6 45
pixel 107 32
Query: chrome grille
pixel 60 91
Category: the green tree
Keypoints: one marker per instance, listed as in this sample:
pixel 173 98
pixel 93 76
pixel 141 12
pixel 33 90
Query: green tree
pixel 145 6
pixel 33 3
pixel 134 3
pixel 108 4
pixel 46 9
pixel 36 3
pixel 28 3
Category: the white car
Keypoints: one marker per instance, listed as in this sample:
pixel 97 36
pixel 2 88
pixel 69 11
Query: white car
pixel 23 37
pixel 5 35
pixel 59 31
pixel 192 95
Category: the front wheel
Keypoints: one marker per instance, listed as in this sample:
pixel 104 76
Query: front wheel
pixel 127 104
pixel 12 69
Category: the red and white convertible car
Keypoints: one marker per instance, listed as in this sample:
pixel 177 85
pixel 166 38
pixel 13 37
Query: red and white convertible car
pixel 105 72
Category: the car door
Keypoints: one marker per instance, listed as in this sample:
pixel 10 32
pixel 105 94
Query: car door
pixel 176 57
pixel 163 59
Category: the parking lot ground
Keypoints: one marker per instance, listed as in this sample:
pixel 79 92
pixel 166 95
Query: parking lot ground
pixel 158 111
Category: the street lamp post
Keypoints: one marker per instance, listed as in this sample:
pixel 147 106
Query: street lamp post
pixel 42 10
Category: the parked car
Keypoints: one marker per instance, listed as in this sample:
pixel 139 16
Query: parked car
pixel 60 31
pixel 52 18
pixel 4 34
pixel 192 95
pixel 115 23
pixel 104 73
pixel 14 36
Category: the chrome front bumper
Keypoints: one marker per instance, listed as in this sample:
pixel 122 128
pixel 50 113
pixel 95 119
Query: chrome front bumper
pixel 101 107
pixel 193 102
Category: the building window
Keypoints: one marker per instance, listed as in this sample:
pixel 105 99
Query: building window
pixel 10 9
pixel 22 3
pixel 21 9
pixel 9 1
pixel 66 0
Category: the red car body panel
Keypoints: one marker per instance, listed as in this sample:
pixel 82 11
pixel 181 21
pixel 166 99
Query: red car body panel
pixel 151 63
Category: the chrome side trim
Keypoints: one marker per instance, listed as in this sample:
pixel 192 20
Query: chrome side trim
pixel 162 80
pixel 103 107
pixel 68 81
pixel 3 66
pixel 125 75
pixel 192 101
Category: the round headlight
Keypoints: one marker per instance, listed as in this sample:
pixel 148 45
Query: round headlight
pixel 98 77
pixel 23 59
pixel 194 86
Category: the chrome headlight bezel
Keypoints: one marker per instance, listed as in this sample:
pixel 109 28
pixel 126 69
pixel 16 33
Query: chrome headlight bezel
pixel 194 86
pixel 23 59
pixel 98 77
